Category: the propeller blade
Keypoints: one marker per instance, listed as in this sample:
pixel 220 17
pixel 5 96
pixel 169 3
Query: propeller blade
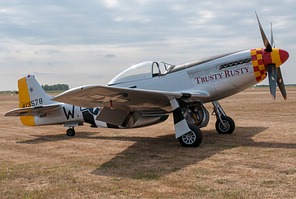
pixel 272 77
pixel 266 43
pixel 280 83
pixel 271 38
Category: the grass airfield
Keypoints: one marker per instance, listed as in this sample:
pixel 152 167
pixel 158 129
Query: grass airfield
pixel 257 161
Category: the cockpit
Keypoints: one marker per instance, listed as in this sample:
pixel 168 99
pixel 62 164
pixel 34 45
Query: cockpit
pixel 141 71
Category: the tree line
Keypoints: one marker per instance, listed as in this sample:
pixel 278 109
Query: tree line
pixel 55 87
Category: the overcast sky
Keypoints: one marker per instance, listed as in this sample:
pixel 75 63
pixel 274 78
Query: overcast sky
pixel 88 42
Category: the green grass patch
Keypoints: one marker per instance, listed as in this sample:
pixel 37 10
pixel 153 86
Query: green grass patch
pixel 147 176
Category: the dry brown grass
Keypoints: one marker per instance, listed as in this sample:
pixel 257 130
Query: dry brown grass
pixel 257 161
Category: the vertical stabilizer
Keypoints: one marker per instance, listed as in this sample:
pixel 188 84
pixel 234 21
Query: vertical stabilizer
pixel 31 94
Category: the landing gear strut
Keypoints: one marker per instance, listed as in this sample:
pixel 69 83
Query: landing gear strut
pixel 71 132
pixel 224 124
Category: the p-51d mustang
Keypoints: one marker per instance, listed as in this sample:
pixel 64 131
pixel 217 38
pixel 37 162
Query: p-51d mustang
pixel 148 92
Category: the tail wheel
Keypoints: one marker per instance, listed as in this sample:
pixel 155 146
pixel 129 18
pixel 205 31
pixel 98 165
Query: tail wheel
pixel 192 138
pixel 227 127
pixel 71 132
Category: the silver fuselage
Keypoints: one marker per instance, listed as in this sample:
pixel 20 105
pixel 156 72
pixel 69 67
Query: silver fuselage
pixel 219 77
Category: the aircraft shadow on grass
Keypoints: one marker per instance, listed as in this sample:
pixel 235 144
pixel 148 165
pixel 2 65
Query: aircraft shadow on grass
pixel 153 157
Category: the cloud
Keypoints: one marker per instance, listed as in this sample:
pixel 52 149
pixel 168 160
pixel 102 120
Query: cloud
pixel 110 3
pixel 104 37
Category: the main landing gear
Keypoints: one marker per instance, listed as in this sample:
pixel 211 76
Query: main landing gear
pixel 197 117
pixel 224 124
pixel 70 132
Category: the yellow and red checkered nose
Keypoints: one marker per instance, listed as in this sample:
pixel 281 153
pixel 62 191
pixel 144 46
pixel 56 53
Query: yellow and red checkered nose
pixel 261 59
pixel 258 64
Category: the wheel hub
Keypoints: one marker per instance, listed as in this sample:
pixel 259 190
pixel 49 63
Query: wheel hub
pixel 189 138
pixel 224 126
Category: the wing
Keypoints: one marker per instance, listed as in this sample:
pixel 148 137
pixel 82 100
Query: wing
pixel 128 99
pixel 126 106
pixel 32 111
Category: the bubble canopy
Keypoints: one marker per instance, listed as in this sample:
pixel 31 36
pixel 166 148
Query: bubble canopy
pixel 141 71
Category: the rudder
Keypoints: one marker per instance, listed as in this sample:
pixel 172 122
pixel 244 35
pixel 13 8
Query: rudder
pixel 31 94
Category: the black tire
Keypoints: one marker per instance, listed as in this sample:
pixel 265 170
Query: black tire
pixel 191 139
pixel 71 132
pixel 228 126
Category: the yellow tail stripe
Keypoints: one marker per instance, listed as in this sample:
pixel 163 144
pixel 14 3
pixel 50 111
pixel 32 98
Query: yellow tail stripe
pixel 24 100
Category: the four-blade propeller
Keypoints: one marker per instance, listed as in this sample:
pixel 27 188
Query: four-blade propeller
pixel 274 72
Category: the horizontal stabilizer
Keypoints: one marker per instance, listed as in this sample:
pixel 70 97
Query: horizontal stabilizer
pixel 32 111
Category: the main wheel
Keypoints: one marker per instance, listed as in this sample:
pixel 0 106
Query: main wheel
pixel 227 127
pixel 71 132
pixel 192 138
